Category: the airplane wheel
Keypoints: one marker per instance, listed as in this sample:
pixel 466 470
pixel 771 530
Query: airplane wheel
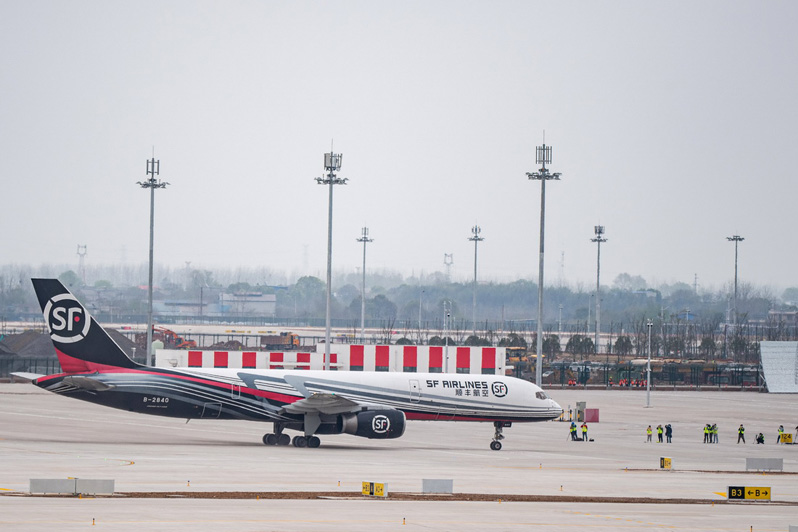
pixel 314 442
pixel 269 439
pixel 496 445
pixel 283 439
pixel 300 441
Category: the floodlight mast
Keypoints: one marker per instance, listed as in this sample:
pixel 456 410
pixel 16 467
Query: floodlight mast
pixel 599 231
pixel 476 239
pixel 332 163
pixel 736 239
pixel 649 324
pixel 543 156
pixel 365 239
pixel 153 169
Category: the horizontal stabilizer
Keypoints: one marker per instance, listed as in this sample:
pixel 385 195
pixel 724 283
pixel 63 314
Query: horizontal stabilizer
pixel 87 383
pixel 323 403
pixel 27 376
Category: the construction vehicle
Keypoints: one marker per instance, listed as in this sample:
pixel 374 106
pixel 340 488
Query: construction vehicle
pixel 170 339
pixel 282 341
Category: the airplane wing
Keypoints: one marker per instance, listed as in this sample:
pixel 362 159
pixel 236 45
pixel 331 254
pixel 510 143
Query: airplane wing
pixel 323 403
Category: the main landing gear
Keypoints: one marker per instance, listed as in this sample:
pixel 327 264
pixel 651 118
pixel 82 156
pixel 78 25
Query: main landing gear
pixel 496 444
pixel 279 438
pixel 309 441
pixel 276 439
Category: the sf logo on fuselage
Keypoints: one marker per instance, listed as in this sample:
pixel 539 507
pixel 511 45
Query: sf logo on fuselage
pixel 66 319
pixel 380 424
pixel 499 389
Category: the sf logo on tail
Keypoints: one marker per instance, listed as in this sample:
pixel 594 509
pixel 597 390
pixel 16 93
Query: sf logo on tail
pixel 66 319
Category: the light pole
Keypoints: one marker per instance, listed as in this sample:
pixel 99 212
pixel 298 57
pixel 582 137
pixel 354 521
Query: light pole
pixel 649 324
pixel 599 231
pixel 543 156
pixel 420 298
pixel 476 239
pixel 332 163
pixel 153 169
pixel 447 305
pixel 365 239
pixel 736 239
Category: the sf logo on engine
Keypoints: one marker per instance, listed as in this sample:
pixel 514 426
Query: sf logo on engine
pixel 380 424
pixel 499 389
pixel 66 319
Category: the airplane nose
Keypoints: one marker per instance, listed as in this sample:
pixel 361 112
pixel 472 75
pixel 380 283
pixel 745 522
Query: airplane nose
pixel 555 406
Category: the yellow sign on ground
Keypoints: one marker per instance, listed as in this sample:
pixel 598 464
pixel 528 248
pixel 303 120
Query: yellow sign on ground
pixel 664 463
pixel 786 438
pixel 749 493
pixel 375 489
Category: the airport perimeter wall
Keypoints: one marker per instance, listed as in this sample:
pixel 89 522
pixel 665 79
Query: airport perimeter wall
pixel 345 357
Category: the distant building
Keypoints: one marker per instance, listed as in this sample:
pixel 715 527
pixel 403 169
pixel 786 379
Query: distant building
pixel 788 317
pixel 249 304
pixel 233 305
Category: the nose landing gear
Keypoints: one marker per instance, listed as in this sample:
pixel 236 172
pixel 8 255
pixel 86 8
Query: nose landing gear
pixel 496 444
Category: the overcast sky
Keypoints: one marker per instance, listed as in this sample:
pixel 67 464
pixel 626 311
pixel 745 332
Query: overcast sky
pixel 674 125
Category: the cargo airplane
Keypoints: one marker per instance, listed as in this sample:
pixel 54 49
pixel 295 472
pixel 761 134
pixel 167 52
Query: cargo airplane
pixel 366 404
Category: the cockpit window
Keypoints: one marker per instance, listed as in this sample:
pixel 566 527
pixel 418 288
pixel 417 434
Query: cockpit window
pixel 541 395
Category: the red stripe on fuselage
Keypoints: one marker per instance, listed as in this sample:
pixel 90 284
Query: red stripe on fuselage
pixel 421 416
pixel 75 365
pixel 271 396
pixel 103 369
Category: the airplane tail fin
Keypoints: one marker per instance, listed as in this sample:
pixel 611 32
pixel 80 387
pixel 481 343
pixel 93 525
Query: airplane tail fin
pixel 80 343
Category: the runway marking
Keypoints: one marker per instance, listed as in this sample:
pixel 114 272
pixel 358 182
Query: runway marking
pixel 181 427
pixel 427 523
pixel 646 524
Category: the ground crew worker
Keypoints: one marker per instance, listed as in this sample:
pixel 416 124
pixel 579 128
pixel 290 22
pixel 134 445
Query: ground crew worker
pixel 648 434
pixel 706 433
pixel 573 431
pixel 741 433
pixel 584 431
pixel 781 431
pixel 714 433
pixel 760 438
pixel 659 433
pixel 668 432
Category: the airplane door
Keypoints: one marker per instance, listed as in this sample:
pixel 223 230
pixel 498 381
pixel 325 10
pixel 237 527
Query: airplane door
pixel 415 391
pixel 211 410
pixel 235 391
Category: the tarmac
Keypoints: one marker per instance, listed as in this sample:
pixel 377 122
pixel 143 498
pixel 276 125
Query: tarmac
pixel 46 436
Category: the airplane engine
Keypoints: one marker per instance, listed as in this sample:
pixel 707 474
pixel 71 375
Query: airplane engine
pixel 382 424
